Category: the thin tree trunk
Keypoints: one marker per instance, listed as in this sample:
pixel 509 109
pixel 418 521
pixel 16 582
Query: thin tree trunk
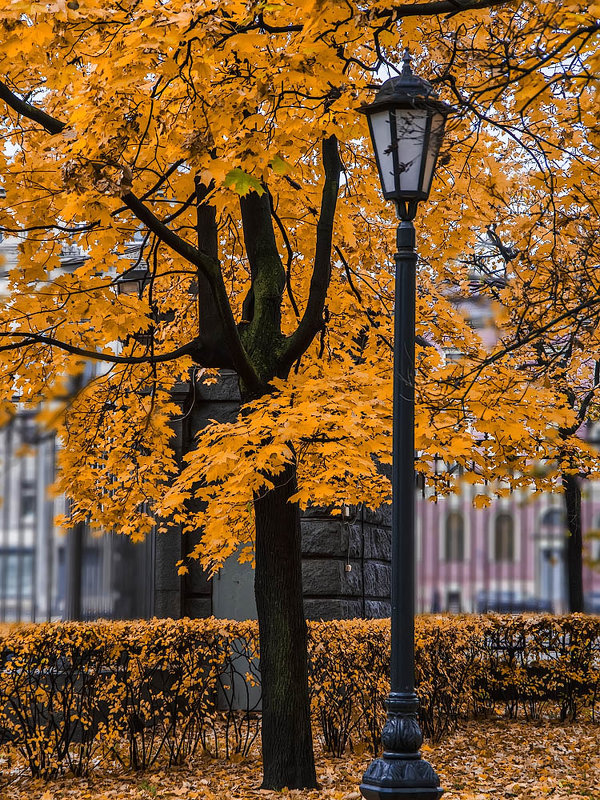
pixel 572 492
pixel 287 749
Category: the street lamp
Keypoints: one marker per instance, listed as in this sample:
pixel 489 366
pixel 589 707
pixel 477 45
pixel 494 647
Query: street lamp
pixel 406 121
pixel 133 281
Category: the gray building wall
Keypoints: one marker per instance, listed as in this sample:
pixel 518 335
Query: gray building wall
pixel 346 563
pixel 192 594
pixel 85 576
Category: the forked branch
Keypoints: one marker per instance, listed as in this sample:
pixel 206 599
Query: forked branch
pixel 312 319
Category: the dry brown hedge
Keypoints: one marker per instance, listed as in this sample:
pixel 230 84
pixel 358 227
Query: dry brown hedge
pixel 77 696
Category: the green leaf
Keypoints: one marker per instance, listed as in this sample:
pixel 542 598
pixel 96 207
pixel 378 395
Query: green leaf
pixel 242 183
pixel 280 166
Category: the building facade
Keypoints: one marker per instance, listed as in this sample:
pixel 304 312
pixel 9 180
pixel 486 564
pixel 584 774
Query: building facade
pixel 509 556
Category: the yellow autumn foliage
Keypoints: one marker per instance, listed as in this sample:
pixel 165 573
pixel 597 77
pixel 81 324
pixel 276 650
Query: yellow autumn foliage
pixel 109 106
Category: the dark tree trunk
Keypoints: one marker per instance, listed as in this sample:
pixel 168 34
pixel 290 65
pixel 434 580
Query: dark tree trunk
pixel 572 492
pixel 73 604
pixel 286 731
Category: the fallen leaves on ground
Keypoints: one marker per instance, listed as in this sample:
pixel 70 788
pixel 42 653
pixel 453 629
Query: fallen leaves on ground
pixel 481 761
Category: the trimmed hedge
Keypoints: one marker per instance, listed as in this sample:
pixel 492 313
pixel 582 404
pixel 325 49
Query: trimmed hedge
pixel 77 695
pixel 528 666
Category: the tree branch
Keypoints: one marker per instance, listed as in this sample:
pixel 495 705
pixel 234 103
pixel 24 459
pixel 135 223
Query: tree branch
pixel 395 12
pixel 438 7
pixel 312 319
pixel 290 257
pixel 210 267
pixel 210 326
pixel 25 109
pixel 142 212
pixel 535 334
pixel 38 338
pixel 262 306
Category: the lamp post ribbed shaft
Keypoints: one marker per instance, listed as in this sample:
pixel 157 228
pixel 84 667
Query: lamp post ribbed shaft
pixel 402 671
pixel 401 772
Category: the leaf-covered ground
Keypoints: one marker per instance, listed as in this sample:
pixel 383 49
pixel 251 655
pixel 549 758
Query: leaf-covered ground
pixel 483 761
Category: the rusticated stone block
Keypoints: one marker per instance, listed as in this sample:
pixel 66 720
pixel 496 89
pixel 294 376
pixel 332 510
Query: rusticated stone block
pixel 378 543
pixel 197 607
pixel 223 411
pixel 167 553
pixel 377 609
pixel 330 538
pixel 382 516
pixel 377 578
pixel 226 388
pixel 196 581
pixel 327 609
pixel 320 512
pixel 328 577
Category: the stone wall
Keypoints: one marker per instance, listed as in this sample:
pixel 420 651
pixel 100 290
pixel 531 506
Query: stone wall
pixel 346 564
pixel 219 401
pixel 191 595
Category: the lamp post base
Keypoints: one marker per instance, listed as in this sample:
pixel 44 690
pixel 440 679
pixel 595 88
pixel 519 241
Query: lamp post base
pixel 405 779
pixel 401 772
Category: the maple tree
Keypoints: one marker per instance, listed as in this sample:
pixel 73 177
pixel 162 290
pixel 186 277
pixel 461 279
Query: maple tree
pixel 563 355
pixel 541 272
pixel 225 134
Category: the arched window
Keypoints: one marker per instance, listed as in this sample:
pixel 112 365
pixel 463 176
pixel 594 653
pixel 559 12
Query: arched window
pixel 504 537
pixel 454 549
pixel 593 537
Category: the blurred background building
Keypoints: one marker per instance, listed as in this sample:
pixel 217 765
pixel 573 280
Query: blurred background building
pixel 507 557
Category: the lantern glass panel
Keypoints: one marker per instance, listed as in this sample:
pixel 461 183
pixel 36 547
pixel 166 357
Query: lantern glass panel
pixel 128 287
pixel 411 126
pixel 382 139
pixel 433 147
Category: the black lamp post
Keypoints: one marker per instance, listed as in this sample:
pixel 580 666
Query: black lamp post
pixel 406 121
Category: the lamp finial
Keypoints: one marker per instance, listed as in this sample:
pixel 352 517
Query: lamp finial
pixel 406 68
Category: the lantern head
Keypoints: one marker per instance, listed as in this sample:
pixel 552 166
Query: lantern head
pixel 406 122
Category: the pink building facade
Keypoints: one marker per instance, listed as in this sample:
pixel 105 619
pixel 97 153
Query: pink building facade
pixel 509 556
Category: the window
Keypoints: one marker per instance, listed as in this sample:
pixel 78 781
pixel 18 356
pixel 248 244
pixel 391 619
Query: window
pixel 593 538
pixel 454 602
pixel 28 500
pixel 478 321
pixel 454 549
pixel 16 571
pixel 453 355
pixel 504 537
pixel 554 517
